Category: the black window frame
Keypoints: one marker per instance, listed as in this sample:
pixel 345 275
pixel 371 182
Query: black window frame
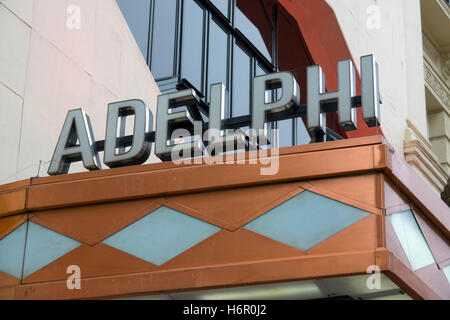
pixel 176 82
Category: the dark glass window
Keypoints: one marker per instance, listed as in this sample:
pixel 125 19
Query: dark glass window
pixel 241 82
pixel 223 6
pixel 259 70
pixel 251 32
pixel 201 42
pixel 302 135
pixel 163 39
pixel 218 55
pixel 137 14
pixel 269 93
pixel 285 133
pixel 294 58
pixel 192 44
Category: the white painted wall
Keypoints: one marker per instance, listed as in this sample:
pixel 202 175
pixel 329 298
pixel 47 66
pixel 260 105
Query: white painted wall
pixel 397 45
pixel 47 69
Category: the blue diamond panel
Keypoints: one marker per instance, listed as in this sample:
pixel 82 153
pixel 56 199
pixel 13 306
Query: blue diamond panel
pixel 44 246
pixel 161 235
pixel 447 272
pixel 12 248
pixel 411 239
pixel 306 220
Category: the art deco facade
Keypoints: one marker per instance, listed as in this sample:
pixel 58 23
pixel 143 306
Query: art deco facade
pixel 335 211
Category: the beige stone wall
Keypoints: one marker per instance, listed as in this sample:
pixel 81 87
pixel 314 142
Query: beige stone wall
pixel 397 43
pixel 436 52
pixel 47 68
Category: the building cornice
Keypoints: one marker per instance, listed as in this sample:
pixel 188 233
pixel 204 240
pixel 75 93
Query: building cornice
pixel 446 66
pixel 419 155
pixel 437 86
pixel 424 161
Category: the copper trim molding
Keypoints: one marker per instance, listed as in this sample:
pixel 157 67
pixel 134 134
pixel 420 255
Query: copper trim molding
pixel 361 173
pixel 287 269
pixel 418 191
pixel 197 178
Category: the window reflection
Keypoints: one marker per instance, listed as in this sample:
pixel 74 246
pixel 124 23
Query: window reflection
pixel 292 56
pixel 268 93
pixel 163 44
pixel 302 134
pixel 188 41
pixel 137 14
pixel 222 5
pixel 217 55
pixel 259 71
pixel 251 19
pixel 251 32
pixel 192 44
pixel 285 133
pixel 241 82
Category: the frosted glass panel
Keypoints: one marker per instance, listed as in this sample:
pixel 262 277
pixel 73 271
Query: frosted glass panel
pixel 447 272
pixel 306 220
pixel 411 239
pixel 161 235
pixel 11 252
pixel 44 246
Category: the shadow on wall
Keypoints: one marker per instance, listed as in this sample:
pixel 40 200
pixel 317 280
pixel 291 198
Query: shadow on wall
pixel 445 195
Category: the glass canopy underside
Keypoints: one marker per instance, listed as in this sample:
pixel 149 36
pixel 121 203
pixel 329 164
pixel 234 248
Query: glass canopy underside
pixel 346 288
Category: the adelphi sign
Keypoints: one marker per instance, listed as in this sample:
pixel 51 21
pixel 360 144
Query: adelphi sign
pixel 76 141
